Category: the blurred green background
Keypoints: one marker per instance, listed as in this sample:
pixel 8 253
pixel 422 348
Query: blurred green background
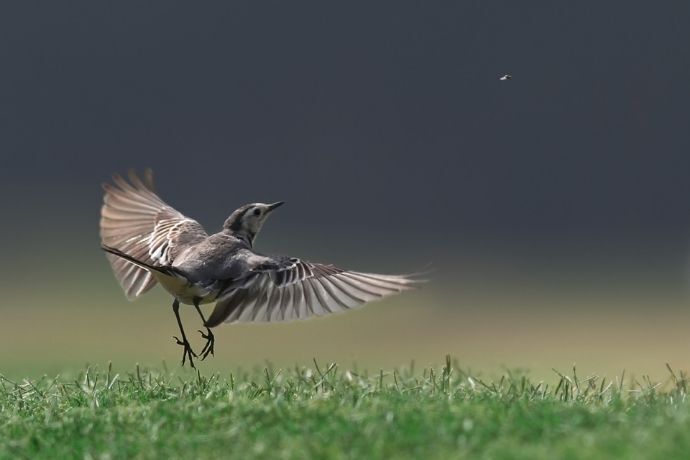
pixel 488 314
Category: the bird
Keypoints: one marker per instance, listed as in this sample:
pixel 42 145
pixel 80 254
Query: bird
pixel 506 77
pixel 148 242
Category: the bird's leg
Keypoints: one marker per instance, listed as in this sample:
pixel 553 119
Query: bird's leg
pixel 210 339
pixel 187 352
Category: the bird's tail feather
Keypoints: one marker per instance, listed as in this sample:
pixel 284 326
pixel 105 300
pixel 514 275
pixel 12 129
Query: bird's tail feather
pixel 151 268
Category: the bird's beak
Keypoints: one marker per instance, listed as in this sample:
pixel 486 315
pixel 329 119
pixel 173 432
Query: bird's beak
pixel 271 207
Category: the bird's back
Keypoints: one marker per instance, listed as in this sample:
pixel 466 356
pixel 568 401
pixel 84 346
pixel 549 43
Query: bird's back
pixel 220 256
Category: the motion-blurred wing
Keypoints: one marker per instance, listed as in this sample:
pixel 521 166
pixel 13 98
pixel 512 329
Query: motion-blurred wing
pixel 294 289
pixel 137 222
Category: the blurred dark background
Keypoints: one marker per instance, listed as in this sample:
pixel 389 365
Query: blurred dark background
pixel 556 201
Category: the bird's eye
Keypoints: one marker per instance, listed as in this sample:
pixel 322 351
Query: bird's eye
pixel 257 212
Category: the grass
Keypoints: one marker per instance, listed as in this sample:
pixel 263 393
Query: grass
pixel 327 412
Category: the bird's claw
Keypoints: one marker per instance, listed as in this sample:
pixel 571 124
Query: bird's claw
pixel 210 341
pixel 187 352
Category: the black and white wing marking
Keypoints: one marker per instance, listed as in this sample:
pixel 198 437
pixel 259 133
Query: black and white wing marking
pixel 135 221
pixel 296 289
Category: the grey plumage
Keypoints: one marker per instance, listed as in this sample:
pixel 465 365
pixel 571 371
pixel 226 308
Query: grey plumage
pixel 148 242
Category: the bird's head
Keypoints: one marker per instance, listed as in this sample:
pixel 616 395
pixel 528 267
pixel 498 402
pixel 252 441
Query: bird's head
pixel 246 221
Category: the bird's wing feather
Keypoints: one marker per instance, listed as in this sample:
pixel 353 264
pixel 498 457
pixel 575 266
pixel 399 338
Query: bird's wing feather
pixel 137 222
pixel 294 289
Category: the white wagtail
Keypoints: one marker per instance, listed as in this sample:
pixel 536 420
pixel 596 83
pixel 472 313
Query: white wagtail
pixel 147 241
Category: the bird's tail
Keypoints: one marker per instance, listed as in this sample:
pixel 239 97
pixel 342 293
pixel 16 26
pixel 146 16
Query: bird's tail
pixel 166 270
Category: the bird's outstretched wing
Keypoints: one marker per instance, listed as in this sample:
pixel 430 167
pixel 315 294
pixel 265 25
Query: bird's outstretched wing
pixel 137 222
pixel 293 289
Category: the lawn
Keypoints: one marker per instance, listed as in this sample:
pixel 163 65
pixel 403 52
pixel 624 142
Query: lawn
pixel 323 411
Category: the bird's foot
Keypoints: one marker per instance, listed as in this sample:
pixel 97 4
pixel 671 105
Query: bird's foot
pixel 187 352
pixel 210 341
